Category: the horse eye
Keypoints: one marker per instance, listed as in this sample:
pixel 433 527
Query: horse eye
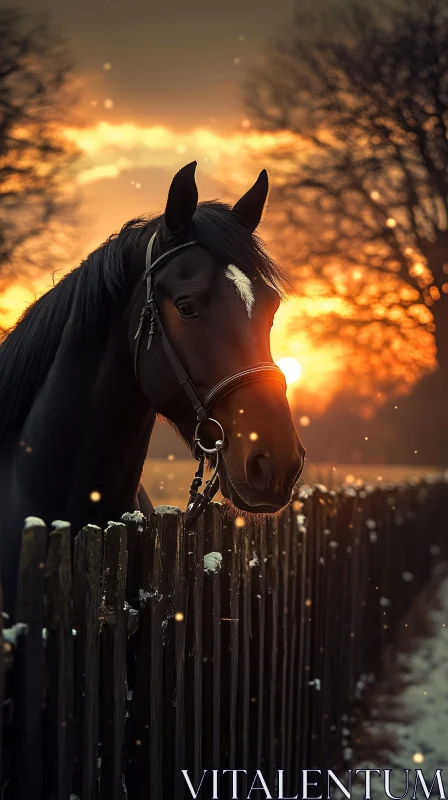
pixel 186 310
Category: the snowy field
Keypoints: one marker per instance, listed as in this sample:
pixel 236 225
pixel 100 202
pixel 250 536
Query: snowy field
pixel 408 709
pixel 167 480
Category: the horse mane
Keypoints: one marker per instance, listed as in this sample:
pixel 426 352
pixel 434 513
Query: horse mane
pixel 84 299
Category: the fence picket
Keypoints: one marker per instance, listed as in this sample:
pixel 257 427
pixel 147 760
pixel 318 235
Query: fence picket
pixel 59 665
pixel 86 613
pixel 113 686
pixel 27 754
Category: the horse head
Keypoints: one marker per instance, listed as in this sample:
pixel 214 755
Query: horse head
pixel 202 349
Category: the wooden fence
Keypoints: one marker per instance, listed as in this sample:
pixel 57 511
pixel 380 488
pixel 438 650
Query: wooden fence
pixel 143 650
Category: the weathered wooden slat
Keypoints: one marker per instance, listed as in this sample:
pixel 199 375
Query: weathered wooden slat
pixel 181 596
pixel 301 532
pixel 262 597
pixel 284 560
pixel 234 621
pixel 136 525
pixel 170 527
pixel 113 687
pixel 198 589
pixel 293 633
pixel 140 723
pixel 273 579
pixel 27 755
pixel 59 659
pixel 245 629
pixel 212 566
pixel 86 613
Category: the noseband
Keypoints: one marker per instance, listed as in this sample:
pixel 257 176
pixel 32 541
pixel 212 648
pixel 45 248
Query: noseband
pixel 202 406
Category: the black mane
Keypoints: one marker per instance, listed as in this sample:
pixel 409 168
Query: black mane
pixel 84 299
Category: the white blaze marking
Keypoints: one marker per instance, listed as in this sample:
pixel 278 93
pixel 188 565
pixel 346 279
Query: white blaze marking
pixel 243 286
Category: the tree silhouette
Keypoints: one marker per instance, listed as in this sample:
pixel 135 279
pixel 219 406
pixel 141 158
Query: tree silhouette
pixel 35 159
pixel 360 102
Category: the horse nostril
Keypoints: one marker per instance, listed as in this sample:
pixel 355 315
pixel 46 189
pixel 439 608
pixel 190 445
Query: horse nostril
pixel 260 471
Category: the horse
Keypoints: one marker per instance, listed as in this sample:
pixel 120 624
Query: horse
pixel 119 340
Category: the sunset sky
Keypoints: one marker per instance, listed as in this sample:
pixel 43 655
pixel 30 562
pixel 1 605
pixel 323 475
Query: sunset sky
pixel 158 86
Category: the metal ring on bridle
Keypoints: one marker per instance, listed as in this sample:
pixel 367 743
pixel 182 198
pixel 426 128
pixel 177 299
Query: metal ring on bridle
pixel 219 443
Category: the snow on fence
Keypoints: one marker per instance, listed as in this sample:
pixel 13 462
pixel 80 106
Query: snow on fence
pixel 144 650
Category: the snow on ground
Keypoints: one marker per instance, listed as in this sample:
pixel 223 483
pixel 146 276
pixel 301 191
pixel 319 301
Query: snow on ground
pixel 408 711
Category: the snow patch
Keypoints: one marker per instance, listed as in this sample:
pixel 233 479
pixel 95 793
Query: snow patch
pixel 134 516
pixel 254 562
pixel 212 563
pixel 59 524
pixel 33 522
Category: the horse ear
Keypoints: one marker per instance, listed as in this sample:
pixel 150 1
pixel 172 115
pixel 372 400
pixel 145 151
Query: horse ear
pixel 182 201
pixel 249 209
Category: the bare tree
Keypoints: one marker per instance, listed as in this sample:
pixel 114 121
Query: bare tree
pixel 361 172
pixel 36 161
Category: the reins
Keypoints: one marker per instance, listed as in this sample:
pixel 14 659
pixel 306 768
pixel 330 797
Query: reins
pixel 202 406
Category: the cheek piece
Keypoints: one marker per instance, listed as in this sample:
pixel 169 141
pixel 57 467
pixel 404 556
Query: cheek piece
pixel 261 371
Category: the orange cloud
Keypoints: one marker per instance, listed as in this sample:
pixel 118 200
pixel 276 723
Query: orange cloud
pixel 108 149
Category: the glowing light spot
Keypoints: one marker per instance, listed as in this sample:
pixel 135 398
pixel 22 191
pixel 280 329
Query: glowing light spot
pixel 418 758
pixel 240 522
pixel 308 602
pixel 138 186
pixel 179 617
pixel 350 479
pixel 107 66
pixel 245 123
pixel 94 103
pixel 291 369
pixel 417 269
pixel 391 222
pixel 95 497
pixel 445 288
pixel 297 505
pixel 237 61
pixel 108 103
pixel 241 410
pixel 304 421
pixel 375 195
pixel 171 458
pixel 181 148
pixel 253 436
pixel 28 449
pixel 366 438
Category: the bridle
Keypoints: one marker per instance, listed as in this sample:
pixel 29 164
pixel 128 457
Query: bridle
pixel 202 406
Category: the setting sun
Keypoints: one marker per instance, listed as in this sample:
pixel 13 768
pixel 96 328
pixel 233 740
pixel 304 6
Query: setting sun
pixel 290 368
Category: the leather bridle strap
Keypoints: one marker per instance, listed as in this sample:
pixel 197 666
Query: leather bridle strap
pixel 258 372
